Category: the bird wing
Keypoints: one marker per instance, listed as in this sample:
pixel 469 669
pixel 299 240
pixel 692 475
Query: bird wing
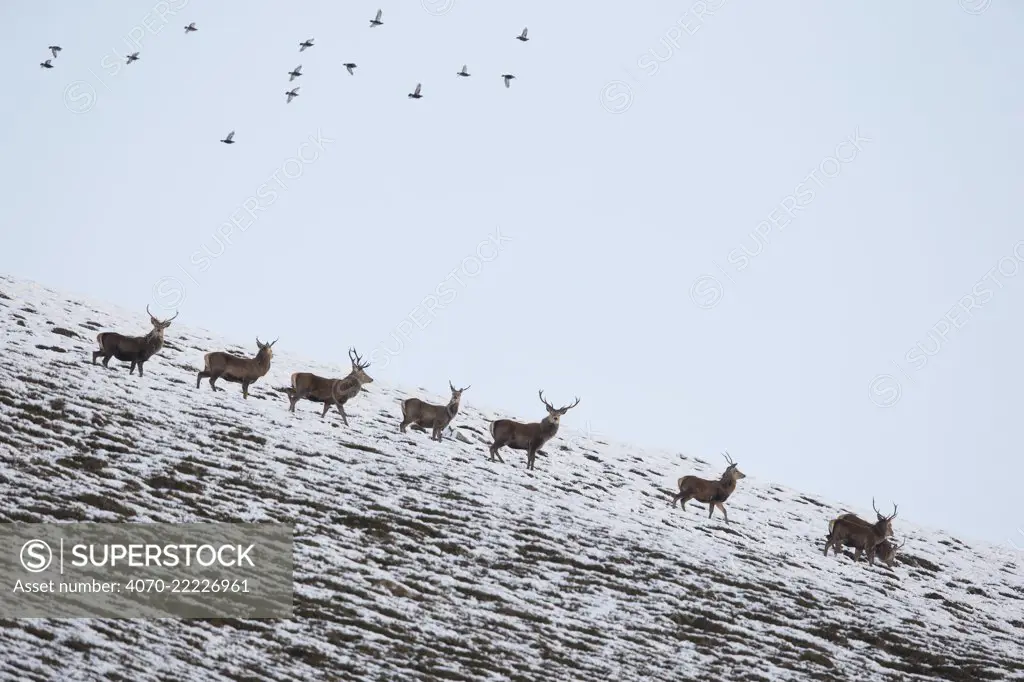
pixel 230 135
pixel 379 13
pixel 417 88
pixel 524 32
pixel 507 81
pixel 463 68
pixel 349 67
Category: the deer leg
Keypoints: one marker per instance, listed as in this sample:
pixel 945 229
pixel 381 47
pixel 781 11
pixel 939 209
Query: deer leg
pixel 96 354
pixel 327 406
pixel 293 399
pixel 131 370
pixel 200 377
pixel 245 390
pixel 401 427
pixel 494 452
pixel 341 408
pixel 724 513
pixel 140 369
pixel 213 378
pixel 106 359
pixel 711 509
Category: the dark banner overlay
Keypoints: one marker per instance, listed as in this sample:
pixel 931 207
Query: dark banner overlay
pixel 146 570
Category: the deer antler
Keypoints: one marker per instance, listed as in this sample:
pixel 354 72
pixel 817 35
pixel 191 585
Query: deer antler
pixel 450 386
pixel 258 342
pixel 356 360
pixel 728 458
pixel 275 341
pixel 875 507
pixel 569 407
pixel 149 313
pixel 175 315
pixel 464 389
pixel 895 508
pixel 546 403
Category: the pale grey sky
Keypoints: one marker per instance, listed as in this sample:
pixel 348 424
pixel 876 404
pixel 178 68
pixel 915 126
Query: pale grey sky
pixel 582 231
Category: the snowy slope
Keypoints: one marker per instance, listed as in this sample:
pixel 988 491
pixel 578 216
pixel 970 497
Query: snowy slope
pixel 423 561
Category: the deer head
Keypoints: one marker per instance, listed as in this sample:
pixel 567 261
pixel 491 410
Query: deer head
pixel 554 414
pixel 732 471
pixel 264 348
pixel 885 522
pixel 456 392
pixel 159 325
pixel 358 366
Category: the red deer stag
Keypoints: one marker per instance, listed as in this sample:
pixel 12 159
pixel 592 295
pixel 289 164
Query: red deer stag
pixel 133 349
pixel 329 391
pixel 712 493
pixel 851 530
pixel 530 437
pixel 236 369
pixel 423 415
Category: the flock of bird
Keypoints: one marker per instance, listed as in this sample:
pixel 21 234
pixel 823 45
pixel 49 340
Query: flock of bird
pixel 297 71
pixel 54 49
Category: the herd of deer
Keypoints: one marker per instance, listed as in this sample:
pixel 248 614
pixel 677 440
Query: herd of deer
pixel 847 530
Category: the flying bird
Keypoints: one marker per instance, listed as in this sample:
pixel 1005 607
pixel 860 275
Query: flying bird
pixel 48 65
pixel 132 57
pixel 350 66
pixel 55 49
pixel 296 73
pixel 416 93
pixel 230 138
pixel 522 36
pixel 508 79
pixel 303 45
pixel 292 94
pixel 463 73
pixel 376 20
pixel 191 27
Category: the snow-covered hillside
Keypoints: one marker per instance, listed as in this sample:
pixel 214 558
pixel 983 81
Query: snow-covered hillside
pixel 416 560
